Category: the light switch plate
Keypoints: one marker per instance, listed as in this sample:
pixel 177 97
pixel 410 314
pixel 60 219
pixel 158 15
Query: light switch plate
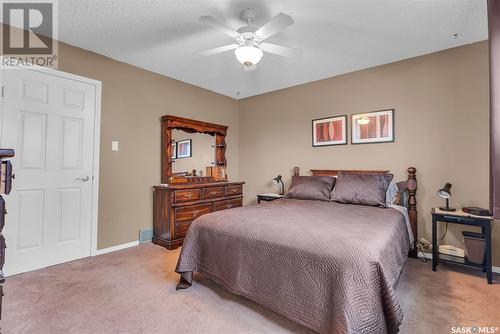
pixel 114 146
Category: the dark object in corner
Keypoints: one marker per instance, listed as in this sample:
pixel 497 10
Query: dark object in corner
pixel 6 176
pixel 445 193
pixel 476 211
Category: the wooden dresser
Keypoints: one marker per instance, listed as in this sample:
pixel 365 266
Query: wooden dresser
pixel 175 206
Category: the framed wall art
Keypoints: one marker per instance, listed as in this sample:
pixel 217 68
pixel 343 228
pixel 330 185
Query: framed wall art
pixel 373 127
pixel 329 131
pixel 174 151
pixel 184 149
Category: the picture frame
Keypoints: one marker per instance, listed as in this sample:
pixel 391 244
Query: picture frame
pixel 184 148
pixel 373 127
pixel 174 151
pixel 329 131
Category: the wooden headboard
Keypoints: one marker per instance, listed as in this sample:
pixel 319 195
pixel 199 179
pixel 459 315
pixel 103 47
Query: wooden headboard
pixel 410 186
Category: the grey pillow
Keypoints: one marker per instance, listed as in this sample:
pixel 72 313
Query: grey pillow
pixel 311 187
pixel 361 188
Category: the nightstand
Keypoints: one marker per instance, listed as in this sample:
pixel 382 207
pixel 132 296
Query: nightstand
pixel 462 218
pixel 268 197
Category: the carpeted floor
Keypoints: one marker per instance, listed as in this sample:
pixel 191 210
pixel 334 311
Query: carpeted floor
pixel 133 291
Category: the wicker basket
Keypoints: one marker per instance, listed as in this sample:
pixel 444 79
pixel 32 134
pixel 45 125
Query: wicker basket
pixel 474 246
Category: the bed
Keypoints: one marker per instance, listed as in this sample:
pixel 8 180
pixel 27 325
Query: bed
pixel 328 266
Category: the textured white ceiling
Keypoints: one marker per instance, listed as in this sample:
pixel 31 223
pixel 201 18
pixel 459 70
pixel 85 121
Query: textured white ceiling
pixel 336 36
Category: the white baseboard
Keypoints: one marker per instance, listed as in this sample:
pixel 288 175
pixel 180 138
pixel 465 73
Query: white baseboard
pixel 429 256
pixel 116 248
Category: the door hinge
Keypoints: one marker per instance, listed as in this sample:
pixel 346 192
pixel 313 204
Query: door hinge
pixel 3 91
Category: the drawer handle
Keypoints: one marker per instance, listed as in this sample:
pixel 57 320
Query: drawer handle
pixel 195 212
pixel 188 195
pixel 213 193
pixel 229 206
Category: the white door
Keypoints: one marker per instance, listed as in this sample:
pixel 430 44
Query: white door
pixel 49 121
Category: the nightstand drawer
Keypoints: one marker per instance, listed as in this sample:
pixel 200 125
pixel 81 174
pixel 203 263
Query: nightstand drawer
pixel 190 213
pixel 229 204
pixel 186 195
pixel 213 192
pixel 234 190
pixel 458 219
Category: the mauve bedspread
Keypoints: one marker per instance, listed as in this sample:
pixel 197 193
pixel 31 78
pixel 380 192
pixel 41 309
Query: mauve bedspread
pixel 330 267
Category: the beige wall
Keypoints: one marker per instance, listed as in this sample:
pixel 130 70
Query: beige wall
pixel 441 127
pixel 132 102
pixel 441 119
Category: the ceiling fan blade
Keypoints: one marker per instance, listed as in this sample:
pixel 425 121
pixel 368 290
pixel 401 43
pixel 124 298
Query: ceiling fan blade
pixel 280 50
pixel 220 49
pixel 219 26
pixel 277 23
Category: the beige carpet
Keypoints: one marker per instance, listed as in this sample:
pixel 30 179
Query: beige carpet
pixel 133 291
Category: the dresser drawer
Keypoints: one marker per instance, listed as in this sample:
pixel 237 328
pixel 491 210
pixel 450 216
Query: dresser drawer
pixel 234 190
pixel 180 229
pixel 186 195
pixel 190 213
pixel 228 204
pixel 213 192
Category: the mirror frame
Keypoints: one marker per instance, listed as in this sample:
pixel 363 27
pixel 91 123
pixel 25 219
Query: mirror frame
pixel 169 122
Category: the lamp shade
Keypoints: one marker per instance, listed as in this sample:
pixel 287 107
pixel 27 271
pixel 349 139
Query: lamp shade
pixel 278 180
pixel 445 192
pixel 248 55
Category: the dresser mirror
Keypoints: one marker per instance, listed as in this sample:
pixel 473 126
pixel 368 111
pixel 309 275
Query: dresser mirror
pixel 192 151
pixel 180 199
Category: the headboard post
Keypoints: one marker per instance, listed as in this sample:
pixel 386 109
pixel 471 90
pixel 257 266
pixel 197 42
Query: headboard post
pixel 411 183
pixel 296 171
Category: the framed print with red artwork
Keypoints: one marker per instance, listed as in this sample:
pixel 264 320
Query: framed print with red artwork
pixel 373 127
pixel 329 131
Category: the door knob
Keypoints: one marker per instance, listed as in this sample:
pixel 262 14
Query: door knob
pixel 83 178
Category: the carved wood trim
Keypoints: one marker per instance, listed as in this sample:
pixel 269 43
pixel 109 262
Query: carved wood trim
pixel 411 183
pixel 169 122
pixel 332 172
pixel 181 123
pixel 220 150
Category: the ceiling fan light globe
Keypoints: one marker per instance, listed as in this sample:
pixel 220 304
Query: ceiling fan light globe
pixel 248 56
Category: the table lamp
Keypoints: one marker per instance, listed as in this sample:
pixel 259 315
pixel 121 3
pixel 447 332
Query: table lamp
pixel 445 193
pixel 278 180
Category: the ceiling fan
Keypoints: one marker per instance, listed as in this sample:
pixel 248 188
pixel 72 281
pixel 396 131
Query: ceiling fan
pixel 250 40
